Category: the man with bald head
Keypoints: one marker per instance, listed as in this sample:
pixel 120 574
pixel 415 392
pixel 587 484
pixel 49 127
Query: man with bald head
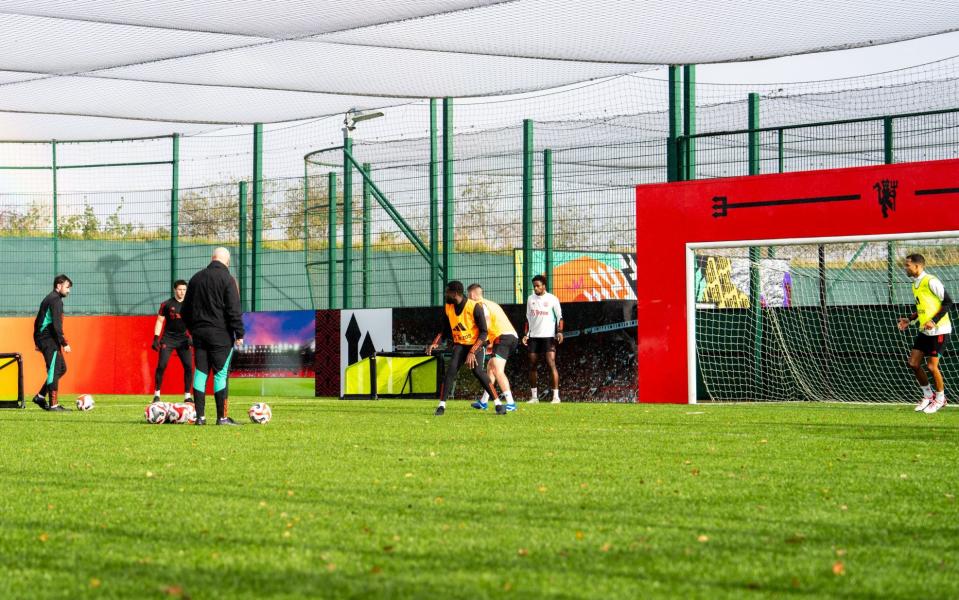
pixel 211 311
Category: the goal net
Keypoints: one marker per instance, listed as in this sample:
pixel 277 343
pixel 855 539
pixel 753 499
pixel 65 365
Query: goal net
pixel 812 321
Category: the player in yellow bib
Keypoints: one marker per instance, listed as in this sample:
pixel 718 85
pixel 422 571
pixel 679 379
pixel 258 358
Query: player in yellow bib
pixel 468 329
pixel 935 326
pixel 503 341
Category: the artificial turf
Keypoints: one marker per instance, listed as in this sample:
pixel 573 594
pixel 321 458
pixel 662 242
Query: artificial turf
pixel 348 499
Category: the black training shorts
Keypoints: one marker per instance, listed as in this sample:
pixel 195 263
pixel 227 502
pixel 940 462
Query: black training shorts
pixel 931 345
pixel 505 345
pixel 540 345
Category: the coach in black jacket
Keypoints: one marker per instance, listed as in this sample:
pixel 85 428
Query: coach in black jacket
pixel 211 311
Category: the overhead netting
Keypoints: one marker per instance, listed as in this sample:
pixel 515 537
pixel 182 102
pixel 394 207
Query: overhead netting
pixel 246 61
pixel 605 137
pixel 825 326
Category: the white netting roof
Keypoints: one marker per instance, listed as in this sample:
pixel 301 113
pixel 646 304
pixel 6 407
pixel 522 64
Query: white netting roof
pixel 244 61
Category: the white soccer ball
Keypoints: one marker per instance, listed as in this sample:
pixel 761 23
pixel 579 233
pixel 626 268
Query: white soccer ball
pixel 260 413
pixel 171 412
pixel 85 402
pixel 156 413
pixel 184 412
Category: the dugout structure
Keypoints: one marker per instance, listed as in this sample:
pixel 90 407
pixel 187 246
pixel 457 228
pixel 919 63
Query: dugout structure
pixel 393 375
pixel 910 205
pixel 11 381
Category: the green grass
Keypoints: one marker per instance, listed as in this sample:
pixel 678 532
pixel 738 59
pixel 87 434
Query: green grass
pixel 380 499
pixel 272 386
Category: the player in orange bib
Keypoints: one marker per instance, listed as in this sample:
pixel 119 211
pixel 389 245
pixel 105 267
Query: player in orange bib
pixel 503 341
pixel 467 327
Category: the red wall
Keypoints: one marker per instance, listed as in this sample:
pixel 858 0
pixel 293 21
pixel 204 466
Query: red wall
pixel 671 215
pixel 111 355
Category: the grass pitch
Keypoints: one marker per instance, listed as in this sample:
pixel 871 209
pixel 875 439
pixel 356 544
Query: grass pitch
pixel 380 499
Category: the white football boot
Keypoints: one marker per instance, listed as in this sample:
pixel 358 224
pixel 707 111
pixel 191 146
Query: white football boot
pixel 934 406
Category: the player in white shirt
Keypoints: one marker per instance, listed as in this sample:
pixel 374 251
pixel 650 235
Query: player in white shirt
pixel 544 330
pixel 935 326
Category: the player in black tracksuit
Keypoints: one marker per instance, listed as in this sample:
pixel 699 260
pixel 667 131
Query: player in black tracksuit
pixel 49 340
pixel 212 313
pixel 174 338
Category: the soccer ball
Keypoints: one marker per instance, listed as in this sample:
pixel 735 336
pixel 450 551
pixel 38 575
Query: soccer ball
pixel 260 413
pixel 182 412
pixel 172 414
pixel 85 402
pixel 156 413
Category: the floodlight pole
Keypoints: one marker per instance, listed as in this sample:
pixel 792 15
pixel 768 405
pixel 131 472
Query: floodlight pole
pixel 347 220
pixel 241 259
pixel 755 281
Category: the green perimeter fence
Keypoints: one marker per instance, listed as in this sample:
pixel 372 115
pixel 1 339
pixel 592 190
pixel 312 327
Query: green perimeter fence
pixel 359 230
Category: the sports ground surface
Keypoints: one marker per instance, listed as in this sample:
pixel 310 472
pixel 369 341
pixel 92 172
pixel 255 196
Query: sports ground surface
pixel 380 499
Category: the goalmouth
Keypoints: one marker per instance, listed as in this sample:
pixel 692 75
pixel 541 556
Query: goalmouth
pixel 787 287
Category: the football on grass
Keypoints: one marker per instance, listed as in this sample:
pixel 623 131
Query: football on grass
pixel 260 413
pixel 85 402
pixel 155 413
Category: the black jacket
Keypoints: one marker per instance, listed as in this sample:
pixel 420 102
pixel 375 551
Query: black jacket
pixel 212 303
pixel 49 321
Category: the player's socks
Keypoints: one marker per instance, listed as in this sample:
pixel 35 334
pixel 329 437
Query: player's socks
pixel 555 399
pixel 485 398
pixel 533 397
pixel 187 397
pixel 496 402
pixel 53 400
pixel 927 391
pixel 507 396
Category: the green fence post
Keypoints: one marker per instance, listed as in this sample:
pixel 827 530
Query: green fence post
pixel 547 212
pixel 347 223
pixel 887 141
pixel 56 224
pixel 241 251
pixel 257 212
pixel 889 158
pixel 689 122
pixel 755 283
pixel 367 226
pixel 753 117
pixel 306 229
pixel 436 292
pixel 448 191
pixel 675 121
pixel 331 242
pixel 780 151
pixel 175 208
pixel 527 205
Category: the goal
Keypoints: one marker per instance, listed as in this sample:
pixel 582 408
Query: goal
pixel 788 287
pixel 812 321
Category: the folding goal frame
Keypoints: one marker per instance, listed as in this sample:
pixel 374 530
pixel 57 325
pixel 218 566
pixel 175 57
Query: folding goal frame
pixel 885 202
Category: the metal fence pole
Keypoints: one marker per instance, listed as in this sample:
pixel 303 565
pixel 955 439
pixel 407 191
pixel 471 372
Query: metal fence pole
pixel 175 208
pixel 306 229
pixel 675 120
pixel 331 242
pixel 448 191
pixel 527 206
pixel 548 212
pixel 889 158
pixel 241 251
pixel 367 227
pixel 436 278
pixel 56 224
pixel 753 136
pixel 257 212
pixel 689 122
pixel 347 224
